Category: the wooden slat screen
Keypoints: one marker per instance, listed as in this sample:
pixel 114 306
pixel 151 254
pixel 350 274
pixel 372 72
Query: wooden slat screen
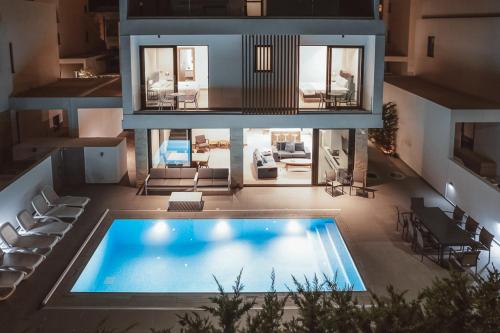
pixel 274 91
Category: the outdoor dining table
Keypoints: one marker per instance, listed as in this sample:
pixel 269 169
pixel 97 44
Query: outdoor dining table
pixel 443 229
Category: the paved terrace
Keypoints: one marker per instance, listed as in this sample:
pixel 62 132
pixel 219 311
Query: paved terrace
pixel 368 226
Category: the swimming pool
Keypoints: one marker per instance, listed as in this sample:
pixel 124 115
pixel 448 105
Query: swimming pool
pixel 181 255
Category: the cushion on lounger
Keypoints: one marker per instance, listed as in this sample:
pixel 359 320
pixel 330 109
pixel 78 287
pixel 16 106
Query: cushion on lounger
pixel 205 173
pixel 186 182
pixel 173 182
pixel 221 173
pixel 157 182
pixel 157 173
pixel 220 182
pixel 173 173
pixel 205 182
pixel 188 173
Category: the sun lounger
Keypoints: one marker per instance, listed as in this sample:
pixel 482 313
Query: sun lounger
pixel 55 200
pixel 32 243
pixel 20 261
pixel 43 210
pixel 47 227
pixel 8 282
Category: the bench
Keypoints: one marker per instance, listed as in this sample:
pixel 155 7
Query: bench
pixel 170 178
pixel 213 177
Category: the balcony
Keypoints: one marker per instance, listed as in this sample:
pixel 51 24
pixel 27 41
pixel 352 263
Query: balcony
pixel 251 8
pixel 99 6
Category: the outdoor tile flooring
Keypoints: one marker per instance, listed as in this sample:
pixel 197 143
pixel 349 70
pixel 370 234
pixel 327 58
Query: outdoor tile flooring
pixel 368 226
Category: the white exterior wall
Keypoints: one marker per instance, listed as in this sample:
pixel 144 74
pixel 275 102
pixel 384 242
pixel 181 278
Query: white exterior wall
pixel 105 165
pixel 94 123
pixel 424 135
pixel 17 196
pixel 31 27
pixel 425 143
pixel 466 56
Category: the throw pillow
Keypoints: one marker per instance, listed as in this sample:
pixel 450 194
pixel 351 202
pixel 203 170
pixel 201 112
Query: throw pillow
pixel 299 146
pixel 280 145
pixel 259 163
pixel 290 147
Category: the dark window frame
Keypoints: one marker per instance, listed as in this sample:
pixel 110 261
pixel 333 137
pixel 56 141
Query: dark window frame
pixel 431 45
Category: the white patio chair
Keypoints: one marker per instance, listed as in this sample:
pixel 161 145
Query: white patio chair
pixel 55 200
pixel 41 244
pixel 43 210
pixel 47 227
pixel 20 261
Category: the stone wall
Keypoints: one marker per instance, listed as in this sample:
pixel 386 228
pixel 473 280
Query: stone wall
pixel 236 157
pixel 141 156
pixel 361 155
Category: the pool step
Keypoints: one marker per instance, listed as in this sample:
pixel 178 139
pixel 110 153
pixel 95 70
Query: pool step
pixel 331 252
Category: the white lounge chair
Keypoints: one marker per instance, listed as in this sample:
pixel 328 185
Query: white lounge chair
pixel 55 200
pixel 20 261
pixel 48 226
pixel 8 282
pixel 41 244
pixel 43 210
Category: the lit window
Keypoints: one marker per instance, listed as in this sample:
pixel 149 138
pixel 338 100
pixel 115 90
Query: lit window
pixel 263 58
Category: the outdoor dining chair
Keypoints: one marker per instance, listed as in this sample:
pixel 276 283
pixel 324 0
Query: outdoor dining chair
pixel 457 215
pixel 464 259
pixel 485 240
pixel 425 245
pixel 471 226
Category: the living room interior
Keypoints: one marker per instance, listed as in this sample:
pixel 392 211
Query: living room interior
pixel 339 65
pixel 277 156
pixel 175 77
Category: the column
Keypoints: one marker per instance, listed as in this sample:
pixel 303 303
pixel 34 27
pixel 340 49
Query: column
pixel 236 157
pixel 73 126
pixel 361 155
pixel 141 156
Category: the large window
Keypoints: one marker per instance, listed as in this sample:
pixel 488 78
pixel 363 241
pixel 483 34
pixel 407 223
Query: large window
pixel 174 77
pixel 330 77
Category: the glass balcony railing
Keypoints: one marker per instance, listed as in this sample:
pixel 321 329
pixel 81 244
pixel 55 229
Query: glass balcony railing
pixel 251 8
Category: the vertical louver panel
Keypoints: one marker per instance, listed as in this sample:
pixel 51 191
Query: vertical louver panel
pixel 270 74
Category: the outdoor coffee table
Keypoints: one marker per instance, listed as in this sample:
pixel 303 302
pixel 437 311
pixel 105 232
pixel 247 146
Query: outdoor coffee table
pixel 297 162
pixel 185 201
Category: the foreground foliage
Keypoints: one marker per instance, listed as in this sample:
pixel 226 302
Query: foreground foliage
pixel 457 303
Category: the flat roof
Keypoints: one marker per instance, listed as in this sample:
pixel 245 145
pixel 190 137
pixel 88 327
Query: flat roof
pixel 93 87
pixel 446 97
pixel 64 142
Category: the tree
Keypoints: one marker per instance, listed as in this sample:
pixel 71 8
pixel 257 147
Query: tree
pixel 385 137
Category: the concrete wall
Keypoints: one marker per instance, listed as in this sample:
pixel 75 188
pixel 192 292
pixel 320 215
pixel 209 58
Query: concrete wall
pixel 476 197
pixel 487 141
pixel 398 18
pixel 105 164
pixel 467 57
pixel 425 141
pixel 35 48
pixel 17 196
pixel 74 25
pixel 94 123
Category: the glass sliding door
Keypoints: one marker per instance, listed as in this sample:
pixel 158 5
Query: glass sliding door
pixel 335 152
pixel 170 148
pixel 343 82
pixel 330 77
pixel 159 77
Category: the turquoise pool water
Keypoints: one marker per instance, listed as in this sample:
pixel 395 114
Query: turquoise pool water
pixel 182 255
